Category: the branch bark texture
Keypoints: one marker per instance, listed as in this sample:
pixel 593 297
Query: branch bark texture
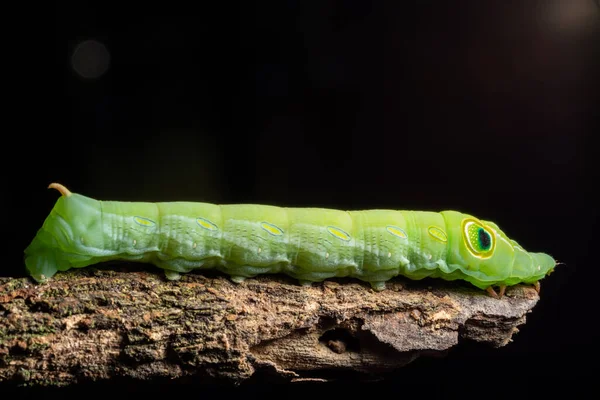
pixel 98 324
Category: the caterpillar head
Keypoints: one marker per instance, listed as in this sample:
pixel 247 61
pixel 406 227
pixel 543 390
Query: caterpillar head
pixel 488 254
pixel 64 240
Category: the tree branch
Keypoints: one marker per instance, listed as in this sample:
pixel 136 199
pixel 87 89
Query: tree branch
pixel 98 324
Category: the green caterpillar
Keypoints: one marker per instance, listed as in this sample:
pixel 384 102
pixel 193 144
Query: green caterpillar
pixel 309 244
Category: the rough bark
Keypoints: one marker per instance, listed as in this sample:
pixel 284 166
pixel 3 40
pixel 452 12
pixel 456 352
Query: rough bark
pixel 98 324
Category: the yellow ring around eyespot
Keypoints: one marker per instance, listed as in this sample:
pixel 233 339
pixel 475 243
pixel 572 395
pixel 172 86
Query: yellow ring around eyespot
pixel 466 223
pixel 396 231
pixel 437 233
pixel 272 229
pixel 338 233
pixel 144 221
pixel 206 224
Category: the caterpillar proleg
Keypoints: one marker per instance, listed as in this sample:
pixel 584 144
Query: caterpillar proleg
pixel 308 244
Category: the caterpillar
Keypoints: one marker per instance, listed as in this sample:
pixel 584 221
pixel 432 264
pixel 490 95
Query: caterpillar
pixel 308 244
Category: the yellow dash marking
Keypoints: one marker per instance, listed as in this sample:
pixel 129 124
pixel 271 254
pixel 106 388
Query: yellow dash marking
pixel 206 224
pixel 82 240
pixel 272 229
pixel 437 233
pixel 194 245
pixel 259 249
pixel 338 233
pixel 144 221
pixel 326 255
pixel 394 230
pixel 134 242
pixel 389 255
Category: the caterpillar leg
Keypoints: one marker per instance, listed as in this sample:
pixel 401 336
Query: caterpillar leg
pixel 492 292
pixel 172 275
pixel 537 286
pixel 502 290
pixel 172 268
pixel 41 266
pixel 378 286
pixel 308 278
pixel 239 272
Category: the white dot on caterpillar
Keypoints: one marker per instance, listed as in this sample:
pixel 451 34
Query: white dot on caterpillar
pixel 194 245
pixel 259 249
pixel 326 255
pixel 134 242
pixel 389 255
pixel 82 241
pixel 539 267
pixel 429 256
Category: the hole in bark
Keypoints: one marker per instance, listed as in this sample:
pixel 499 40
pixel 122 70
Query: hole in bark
pixel 340 340
pixel 19 348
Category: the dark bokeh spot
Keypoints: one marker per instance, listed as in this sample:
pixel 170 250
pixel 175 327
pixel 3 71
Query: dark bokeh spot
pixel 90 59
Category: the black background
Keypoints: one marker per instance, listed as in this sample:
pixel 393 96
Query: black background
pixel 480 106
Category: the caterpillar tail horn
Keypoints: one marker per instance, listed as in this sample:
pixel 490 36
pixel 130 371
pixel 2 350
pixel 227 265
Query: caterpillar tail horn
pixel 62 189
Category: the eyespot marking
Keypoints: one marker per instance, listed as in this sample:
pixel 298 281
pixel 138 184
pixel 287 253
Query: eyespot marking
pixel 338 233
pixel 437 233
pixel 396 231
pixel 479 238
pixel 272 229
pixel 206 224
pixel 144 221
